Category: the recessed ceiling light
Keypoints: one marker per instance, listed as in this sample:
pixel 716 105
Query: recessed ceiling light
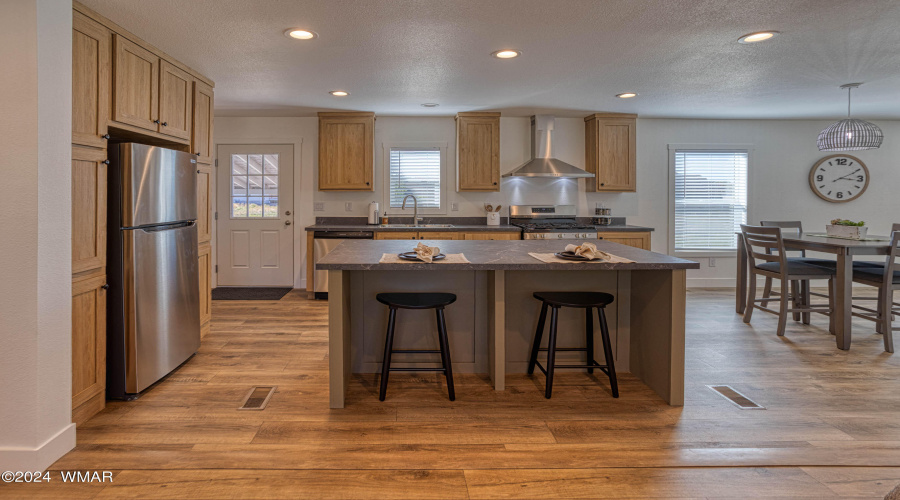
pixel 339 93
pixel 300 34
pixel 626 95
pixel 757 37
pixel 506 54
pixel 430 105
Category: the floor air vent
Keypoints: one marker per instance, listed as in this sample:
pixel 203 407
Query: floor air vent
pixel 739 400
pixel 258 397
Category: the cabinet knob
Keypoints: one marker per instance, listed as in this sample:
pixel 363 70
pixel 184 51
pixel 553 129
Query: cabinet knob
pixel 156 122
pixel 105 162
pixel 198 154
pixel 495 183
pixel 602 183
pixel 198 171
pixel 104 136
pixel 165 124
pixel 105 286
pixel 367 184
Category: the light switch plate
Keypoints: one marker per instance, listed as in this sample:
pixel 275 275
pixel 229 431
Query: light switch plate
pixel 348 206
pixel 319 206
pixel 454 206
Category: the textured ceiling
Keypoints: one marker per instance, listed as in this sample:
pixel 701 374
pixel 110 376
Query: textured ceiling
pixel 681 56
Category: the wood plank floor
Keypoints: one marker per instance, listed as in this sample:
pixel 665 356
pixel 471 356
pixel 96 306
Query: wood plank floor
pixel 830 429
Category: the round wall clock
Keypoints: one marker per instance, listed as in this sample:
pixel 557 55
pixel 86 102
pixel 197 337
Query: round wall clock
pixel 839 178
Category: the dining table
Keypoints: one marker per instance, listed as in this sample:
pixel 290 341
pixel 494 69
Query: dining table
pixel 844 250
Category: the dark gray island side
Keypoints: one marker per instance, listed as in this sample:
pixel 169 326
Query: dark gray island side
pixel 493 321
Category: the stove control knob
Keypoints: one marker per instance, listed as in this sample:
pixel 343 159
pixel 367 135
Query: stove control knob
pixel 542 236
pixel 559 235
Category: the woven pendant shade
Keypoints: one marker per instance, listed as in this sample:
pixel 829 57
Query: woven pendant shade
pixel 850 135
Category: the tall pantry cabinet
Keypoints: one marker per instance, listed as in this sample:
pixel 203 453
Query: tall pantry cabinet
pixel 124 90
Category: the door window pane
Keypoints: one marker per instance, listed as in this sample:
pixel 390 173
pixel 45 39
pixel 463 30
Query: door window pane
pixel 254 186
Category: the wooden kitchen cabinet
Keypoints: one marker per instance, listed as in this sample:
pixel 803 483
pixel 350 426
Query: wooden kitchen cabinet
pixel 478 151
pixel 633 239
pixel 396 235
pixel 202 138
pixel 346 150
pixel 88 347
pixel 91 71
pixel 438 235
pixel 204 262
pixel 135 85
pixel 610 141
pixel 205 209
pixel 176 93
pixel 505 235
pixel 88 210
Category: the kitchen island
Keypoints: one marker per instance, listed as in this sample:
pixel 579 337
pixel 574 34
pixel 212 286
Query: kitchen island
pixel 492 323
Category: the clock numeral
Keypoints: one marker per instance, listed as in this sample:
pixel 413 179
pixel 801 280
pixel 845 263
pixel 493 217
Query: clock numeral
pixel 859 178
pixel 820 178
pixel 840 194
pixel 841 161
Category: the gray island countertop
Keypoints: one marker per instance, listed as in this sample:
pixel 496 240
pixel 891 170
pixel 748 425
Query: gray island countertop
pixel 364 255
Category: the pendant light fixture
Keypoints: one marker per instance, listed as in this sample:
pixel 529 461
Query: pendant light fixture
pixel 850 134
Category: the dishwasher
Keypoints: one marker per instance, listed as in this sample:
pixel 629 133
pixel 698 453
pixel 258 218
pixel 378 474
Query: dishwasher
pixel 324 242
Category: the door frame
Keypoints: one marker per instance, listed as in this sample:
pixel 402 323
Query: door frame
pixel 216 233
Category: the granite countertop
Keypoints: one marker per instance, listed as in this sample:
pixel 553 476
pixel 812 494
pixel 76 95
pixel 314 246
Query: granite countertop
pixel 376 227
pixel 509 255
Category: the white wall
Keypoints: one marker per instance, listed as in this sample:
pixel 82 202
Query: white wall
pixel 35 292
pixel 784 151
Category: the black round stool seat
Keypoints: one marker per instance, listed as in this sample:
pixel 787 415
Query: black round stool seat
pixel 575 299
pixel 416 300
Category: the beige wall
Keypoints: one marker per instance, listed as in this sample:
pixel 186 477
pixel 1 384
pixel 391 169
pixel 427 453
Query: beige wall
pixel 35 292
pixel 784 151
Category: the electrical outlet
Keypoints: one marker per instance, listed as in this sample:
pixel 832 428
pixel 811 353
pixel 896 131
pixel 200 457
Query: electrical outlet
pixel 712 262
pixel 348 206
pixel 319 206
pixel 454 206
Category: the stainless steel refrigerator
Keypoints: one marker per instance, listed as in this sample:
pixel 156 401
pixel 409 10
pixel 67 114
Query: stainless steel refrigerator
pixel 153 302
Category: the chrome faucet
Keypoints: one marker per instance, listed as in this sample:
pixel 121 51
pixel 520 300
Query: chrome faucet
pixel 415 209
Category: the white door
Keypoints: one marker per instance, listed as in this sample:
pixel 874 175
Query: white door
pixel 255 205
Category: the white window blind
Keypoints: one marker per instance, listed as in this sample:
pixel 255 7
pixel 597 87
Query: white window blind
pixel 710 198
pixel 415 171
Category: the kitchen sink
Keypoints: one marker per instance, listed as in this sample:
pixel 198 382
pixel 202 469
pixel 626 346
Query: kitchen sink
pixel 426 226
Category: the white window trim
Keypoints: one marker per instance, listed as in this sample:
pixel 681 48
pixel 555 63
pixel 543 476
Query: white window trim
pixel 749 148
pixel 386 178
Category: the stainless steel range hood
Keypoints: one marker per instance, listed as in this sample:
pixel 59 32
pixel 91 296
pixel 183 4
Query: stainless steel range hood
pixel 542 163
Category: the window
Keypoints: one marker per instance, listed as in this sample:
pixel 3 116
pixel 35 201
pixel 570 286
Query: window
pixel 710 198
pixel 415 171
pixel 254 186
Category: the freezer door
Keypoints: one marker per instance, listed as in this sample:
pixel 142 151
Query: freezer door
pixel 158 185
pixel 162 298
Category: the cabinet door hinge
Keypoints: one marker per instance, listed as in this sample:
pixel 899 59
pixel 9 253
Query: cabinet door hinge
pixel 217 162
pixel 217 269
pixel 216 216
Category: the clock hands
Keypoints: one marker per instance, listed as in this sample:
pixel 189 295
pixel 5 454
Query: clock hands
pixel 848 175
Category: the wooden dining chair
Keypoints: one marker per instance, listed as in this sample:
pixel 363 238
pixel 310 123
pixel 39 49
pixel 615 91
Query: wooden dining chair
pixel 765 244
pixel 799 288
pixel 886 278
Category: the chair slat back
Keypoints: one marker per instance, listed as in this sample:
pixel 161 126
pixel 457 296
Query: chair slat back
pixel 891 265
pixel 764 243
pixel 786 224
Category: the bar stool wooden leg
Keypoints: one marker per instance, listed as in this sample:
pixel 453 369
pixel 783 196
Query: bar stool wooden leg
pixel 537 338
pixel 388 347
pixel 551 351
pixel 445 352
pixel 607 352
pixel 589 333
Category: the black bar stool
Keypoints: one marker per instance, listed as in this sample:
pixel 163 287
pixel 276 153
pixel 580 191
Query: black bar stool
pixel 584 300
pixel 436 301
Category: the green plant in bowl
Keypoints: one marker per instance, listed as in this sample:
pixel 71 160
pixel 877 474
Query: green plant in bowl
pixel 847 222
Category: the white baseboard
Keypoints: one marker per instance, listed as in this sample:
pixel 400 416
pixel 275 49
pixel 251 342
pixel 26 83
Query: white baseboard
pixel 711 283
pixel 38 459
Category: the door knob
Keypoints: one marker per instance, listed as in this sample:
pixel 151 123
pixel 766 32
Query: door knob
pixel 287 223
pixel 287 212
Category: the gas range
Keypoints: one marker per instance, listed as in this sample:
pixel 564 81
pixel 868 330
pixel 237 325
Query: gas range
pixel 549 222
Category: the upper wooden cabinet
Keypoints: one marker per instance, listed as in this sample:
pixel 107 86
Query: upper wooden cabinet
pixel 610 141
pixel 90 81
pixel 478 151
pixel 88 209
pixel 135 85
pixel 202 139
pixel 176 92
pixel 346 150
